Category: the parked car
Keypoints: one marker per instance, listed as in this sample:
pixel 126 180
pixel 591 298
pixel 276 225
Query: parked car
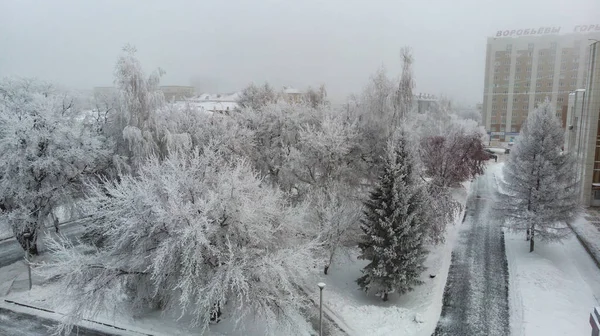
pixel 491 154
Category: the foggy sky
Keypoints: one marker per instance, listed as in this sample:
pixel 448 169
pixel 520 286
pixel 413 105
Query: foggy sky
pixel 226 44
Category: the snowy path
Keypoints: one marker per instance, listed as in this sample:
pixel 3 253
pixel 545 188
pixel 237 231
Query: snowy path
pixel 476 295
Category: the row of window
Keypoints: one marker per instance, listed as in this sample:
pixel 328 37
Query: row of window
pixel 561 83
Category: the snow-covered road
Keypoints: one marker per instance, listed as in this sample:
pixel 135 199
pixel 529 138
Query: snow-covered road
pixel 18 324
pixel 476 295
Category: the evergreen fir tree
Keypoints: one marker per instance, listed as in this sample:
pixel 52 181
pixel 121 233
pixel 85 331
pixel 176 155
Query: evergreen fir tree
pixel 394 225
pixel 540 180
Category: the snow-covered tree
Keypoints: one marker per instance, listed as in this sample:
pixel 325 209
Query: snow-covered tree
pixel 316 98
pixel 45 152
pixel 540 179
pixel 403 102
pixel 337 212
pixel 192 234
pixel 395 225
pixel 256 97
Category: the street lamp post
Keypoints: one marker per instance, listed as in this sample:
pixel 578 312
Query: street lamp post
pixel 321 286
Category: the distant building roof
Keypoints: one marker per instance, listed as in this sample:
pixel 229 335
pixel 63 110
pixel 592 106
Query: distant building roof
pixel 291 90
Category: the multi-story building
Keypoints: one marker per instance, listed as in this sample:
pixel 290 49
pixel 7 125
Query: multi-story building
pixel 527 66
pixel 583 129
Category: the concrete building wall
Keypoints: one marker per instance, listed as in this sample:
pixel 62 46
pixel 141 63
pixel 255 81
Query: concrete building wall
pixel 522 72
pixel 591 166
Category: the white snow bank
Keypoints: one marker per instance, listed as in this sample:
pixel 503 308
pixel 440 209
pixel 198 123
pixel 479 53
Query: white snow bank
pixel 587 228
pixel 551 290
pixel 414 313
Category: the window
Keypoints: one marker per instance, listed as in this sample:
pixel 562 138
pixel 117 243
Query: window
pixel 494 99
pixel 517 77
pixel 528 69
pixel 497 69
pixel 530 46
pixel 515 100
pixel 560 99
pixel 553 45
pixel 497 63
pixel 538 84
pixel 517 85
pixel 508 48
pixel 518 62
pixel 525 107
pixel 575 66
pixel 561 83
pixel 574 83
pixel 574 75
pixel 565 51
pixel 504 99
pixel 540 68
pixel 495 77
pixel 541 53
pixel 549 84
pixel 528 84
pixel 505 77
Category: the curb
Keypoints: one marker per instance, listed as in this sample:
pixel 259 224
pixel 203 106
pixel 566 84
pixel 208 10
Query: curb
pixel 102 324
pixel 585 246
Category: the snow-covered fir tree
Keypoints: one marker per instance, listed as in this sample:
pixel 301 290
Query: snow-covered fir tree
pixel 395 225
pixel 540 182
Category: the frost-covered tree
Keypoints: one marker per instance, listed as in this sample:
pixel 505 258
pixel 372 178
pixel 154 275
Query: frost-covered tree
pixel 337 212
pixel 403 102
pixel 540 180
pixel 256 97
pixel 395 225
pixel 275 131
pixel 45 152
pixel 315 98
pixel 192 234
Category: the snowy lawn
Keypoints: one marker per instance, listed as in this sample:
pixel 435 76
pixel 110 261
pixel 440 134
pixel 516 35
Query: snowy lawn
pixel 553 289
pixel 14 278
pixel 415 313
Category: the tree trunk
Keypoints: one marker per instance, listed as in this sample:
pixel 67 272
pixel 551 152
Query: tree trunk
pixel 528 235
pixel 326 269
pixel 531 242
pixel 215 315
pixel 28 243
pixel 385 296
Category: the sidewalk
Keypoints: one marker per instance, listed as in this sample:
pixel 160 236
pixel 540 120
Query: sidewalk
pixel 587 230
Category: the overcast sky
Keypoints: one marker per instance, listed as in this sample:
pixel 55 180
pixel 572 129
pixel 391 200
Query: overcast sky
pixel 226 44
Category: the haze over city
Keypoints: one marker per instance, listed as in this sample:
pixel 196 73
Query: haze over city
pixel 221 46
pixel 299 168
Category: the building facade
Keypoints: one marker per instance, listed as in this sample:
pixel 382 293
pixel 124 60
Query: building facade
pixel 525 67
pixel 582 137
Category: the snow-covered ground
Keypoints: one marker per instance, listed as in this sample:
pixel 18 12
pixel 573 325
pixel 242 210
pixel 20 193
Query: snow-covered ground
pixel 415 313
pixel 553 289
